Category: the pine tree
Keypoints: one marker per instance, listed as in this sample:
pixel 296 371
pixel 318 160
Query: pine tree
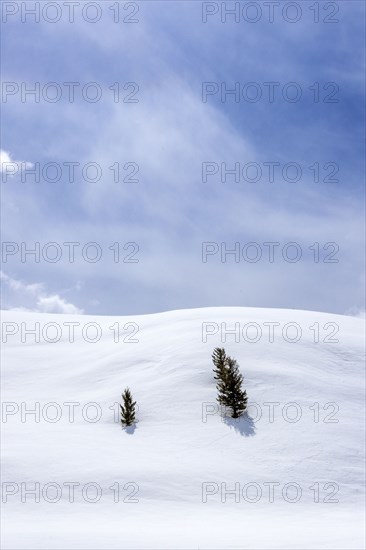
pixel 219 360
pixel 230 389
pixel 128 409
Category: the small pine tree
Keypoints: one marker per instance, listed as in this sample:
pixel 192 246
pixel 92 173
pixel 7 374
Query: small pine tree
pixel 230 389
pixel 219 360
pixel 128 409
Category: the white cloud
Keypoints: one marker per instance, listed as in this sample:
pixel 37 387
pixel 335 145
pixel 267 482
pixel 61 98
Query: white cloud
pixel 55 304
pixel 19 286
pixel 11 166
pixel 35 292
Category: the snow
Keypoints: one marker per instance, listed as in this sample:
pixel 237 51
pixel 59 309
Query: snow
pixel 175 449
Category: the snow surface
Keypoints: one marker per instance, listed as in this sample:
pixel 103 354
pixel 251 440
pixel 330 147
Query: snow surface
pixel 172 451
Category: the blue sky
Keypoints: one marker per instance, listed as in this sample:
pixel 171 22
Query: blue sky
pixel 169 133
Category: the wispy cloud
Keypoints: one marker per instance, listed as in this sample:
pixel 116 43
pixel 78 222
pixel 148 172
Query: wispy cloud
pixel 169 133
pixel 11 166
pixel 37 298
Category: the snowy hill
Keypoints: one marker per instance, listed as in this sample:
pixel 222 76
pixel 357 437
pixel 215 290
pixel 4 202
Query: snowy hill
pixel 294 466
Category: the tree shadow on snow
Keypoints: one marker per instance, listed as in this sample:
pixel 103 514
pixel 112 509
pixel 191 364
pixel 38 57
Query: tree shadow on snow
pixel 244 424
pixel 130 430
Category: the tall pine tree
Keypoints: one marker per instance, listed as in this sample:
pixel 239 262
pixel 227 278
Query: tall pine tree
pixel 229 387
pixel 219 360
pixel 128 409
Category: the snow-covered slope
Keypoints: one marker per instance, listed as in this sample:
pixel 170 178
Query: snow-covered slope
pixel 173 469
